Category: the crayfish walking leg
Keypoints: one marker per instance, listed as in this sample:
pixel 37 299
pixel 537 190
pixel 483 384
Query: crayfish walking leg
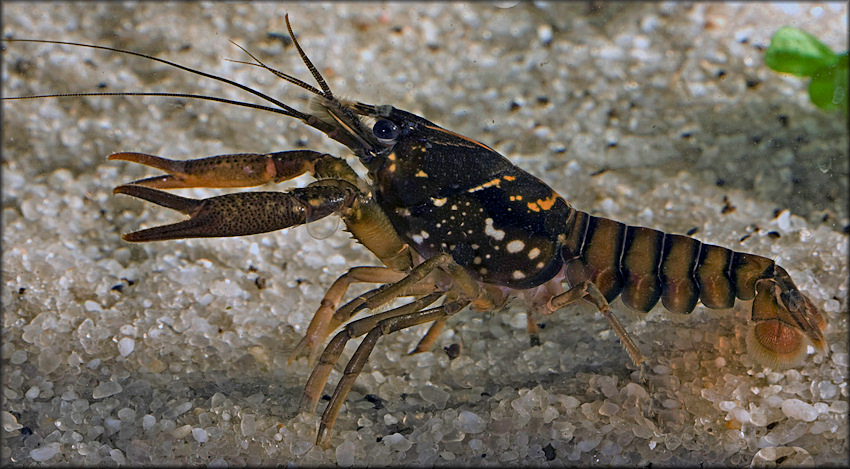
pixel 464 291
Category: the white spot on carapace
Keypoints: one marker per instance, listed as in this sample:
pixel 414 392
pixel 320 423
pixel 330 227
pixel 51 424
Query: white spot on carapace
pixel 417 239
pixel 489 230
pixel 421 174
pixel 515 246
pixel 540 265
pixel 474 246
pixel 403 212
pixel 439 202
pixel 454 207
pixel 483 270
pixel 518 275
pixel 424 234
pixel 476 260
pixel 533 253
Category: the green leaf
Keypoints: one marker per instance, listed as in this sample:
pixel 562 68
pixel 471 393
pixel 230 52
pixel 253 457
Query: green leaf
pixel 829 87
pixel 797 52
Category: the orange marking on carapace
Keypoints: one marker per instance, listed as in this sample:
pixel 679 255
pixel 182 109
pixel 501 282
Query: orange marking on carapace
pixel 543 204
pixel 548 203
pixel 494 182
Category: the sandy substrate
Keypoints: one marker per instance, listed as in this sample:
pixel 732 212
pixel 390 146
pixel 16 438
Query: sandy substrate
pixel 176 352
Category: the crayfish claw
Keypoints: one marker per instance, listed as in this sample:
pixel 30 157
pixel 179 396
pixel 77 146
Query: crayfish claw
pixel 164 199
pixel 175 179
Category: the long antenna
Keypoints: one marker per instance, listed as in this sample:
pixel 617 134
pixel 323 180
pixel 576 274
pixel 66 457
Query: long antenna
pixel 348 137
pixel 285 112
pixel 318 76
pixel 289 110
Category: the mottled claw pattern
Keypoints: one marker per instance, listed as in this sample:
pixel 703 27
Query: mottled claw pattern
pixel 238 214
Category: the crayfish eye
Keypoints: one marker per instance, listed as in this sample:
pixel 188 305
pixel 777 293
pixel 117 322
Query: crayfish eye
pixel 386 132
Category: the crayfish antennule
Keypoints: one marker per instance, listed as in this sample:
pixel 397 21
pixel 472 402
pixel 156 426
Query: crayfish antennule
pixel 776 345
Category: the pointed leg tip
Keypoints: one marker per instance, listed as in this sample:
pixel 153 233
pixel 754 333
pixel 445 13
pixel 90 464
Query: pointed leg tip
pixel 295 354
pixel 323 439
pixel 311 359
pixel 305 348
pixel 307 404
pixel 639 361
pixel 417 350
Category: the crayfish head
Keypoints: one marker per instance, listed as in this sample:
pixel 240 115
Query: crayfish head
pixel 340 120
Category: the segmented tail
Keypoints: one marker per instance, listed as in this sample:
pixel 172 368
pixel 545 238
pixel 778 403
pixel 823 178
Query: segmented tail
pixel 645 265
